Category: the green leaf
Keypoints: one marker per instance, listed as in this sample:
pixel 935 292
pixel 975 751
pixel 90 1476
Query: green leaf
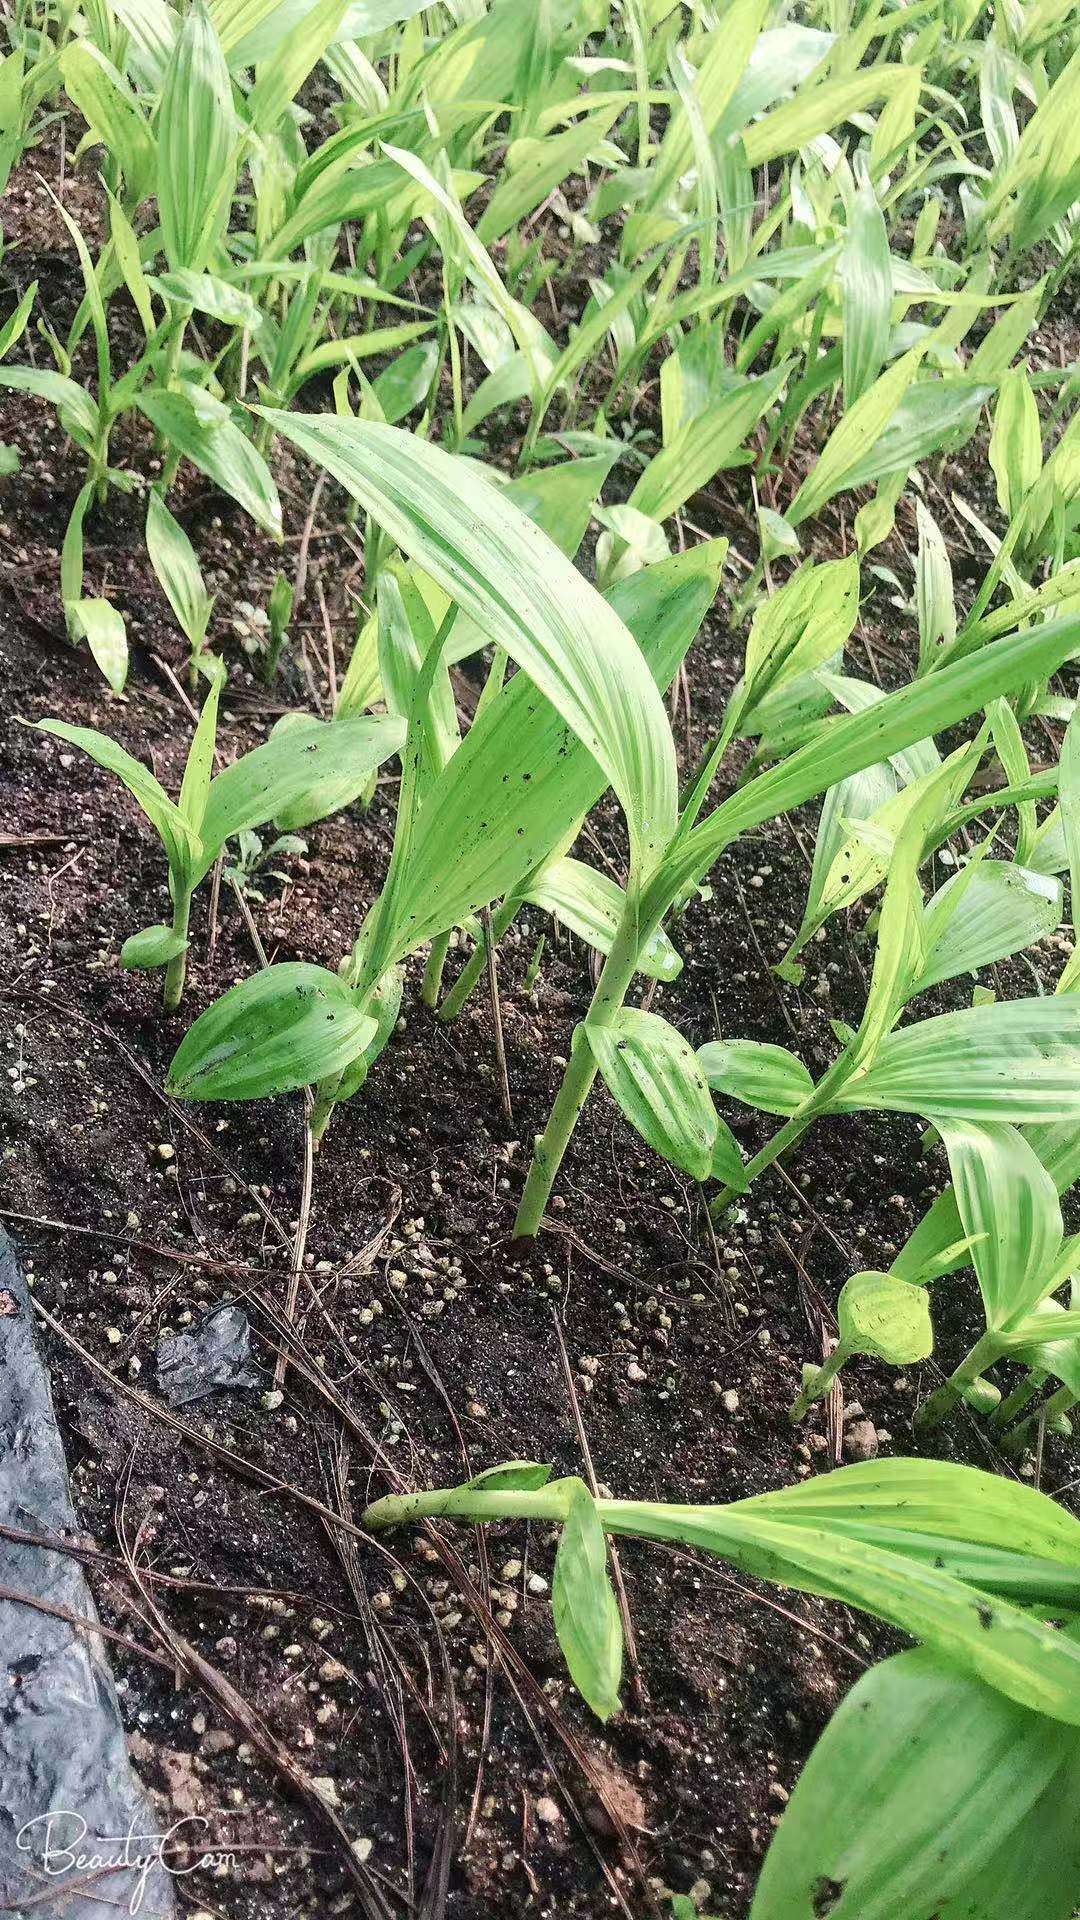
pixel 933 590
pixel 800 627
pixel 72 403
pixel 209 294
pixel 1015 442
pixel 111 111
pixel 195 787
pixel 303 772
pixel 999 909
pixel 402 385
pixel 521 1476
pixel 103 629
pixel 182 845
pixel 173 559
pixel 202 429
pixel 846 745
pixel 704 446
pixel 278 79
pixel 1009 1211
pixel 727 1161
pixel 1017 1061
pixel 928 1795
pixel 497 565
pixel 586 1612
pixel 153 947
pixel 517 789
pixel 286 1027
pixel 858 433
pixel 653 1074
pixel 757 1073
pixel 196 144
pixel 591 904
pixel 886 1318
pixel 866 290
pixel 15 325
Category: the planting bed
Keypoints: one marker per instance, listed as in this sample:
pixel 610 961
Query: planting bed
pixel 415 1677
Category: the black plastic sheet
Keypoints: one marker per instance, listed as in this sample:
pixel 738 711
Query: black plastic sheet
pixel 67 1788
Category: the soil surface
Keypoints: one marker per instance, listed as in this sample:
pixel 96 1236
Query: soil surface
pixel 416 1681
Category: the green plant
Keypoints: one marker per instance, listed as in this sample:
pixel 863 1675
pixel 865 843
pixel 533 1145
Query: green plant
pixel 311 763
pixel 942 1773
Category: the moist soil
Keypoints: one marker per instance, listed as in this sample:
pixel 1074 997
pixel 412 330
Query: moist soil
pixel 425 1697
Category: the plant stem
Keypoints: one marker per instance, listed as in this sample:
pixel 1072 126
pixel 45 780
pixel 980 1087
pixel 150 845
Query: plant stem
pixel 433 972
pixel 986 1350
pixel 818 1386
pixel 550 1146
pixel 1015 1402
pixel 785 1137
pixel 469 977
pixel 177 969
pixel 1059 1402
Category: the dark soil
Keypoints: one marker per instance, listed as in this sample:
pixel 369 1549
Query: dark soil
pixel 372 1662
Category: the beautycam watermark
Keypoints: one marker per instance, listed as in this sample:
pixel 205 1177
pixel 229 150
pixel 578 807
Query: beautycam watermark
pixel 61 1847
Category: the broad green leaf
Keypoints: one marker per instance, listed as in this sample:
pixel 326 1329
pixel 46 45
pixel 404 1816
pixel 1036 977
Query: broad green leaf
pixel 586 1612
pixel 283 1028
pixel 591 904
pixel 846 745
pixel 1015 441
pixel 499 566
pixel 1017 1061
pixel 1009 1648
pixel 209 294
pixel 1009 1210
pixel 856 437
pixel 153 947
pixel 402 385
pixel 103 629
pixel 866 289
pixel 1000 909
pixel 303 772
pixel 279 78
pixel 112 113
pixel 653 1074
pixel 859 797
pixel 885 1317
pixel 757 1073
pixel 182 844
pixel 196 143
pixel 933 590
pixel 535 168
pixel 818 108
pixel 704 446
pixel 800 627
pixel 173 559
pixel 202 429
pixel 517 789
pixel 15 325
pixel 70 400
pixel 195 787
pixel 932 1796
pixel 1058 1357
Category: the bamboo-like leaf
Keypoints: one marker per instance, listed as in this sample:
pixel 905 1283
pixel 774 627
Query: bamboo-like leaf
pixel 1009 1210
pixel 196 143
pixel 103 629
pixel 584 1605
pixel 886 1318
pixel 283 1028
pixel 1017 1061
pixel 498 566
pixel 202 429
pixel 856 436
pixel 592 904
pixel 173 559
pixel 866 287
pixel 110 109
pixel 1001 909
pixel 933 590
pixel 704 447
pixel 954 1800
pixel 757 1073
pixel 653 1074
pixel 1015 441
pixel 312 766
pixel 182 844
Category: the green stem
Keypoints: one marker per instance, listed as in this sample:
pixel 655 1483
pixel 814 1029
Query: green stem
pixel 818 1385
pixel 177 969
pixel 469 977
pixel 1021 1436
pixel 941 1403
pixel 550 1146
pixel 433 972
pixel 1015 1402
